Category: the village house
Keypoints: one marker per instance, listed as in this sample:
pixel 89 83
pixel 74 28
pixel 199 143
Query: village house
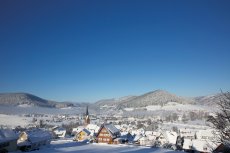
pixel 77 130
pixel 107 133
pixel 167 137
pixel 84 134
pixel 8 140
pixel 208 134
pixel 92 128
pixel 187 133
pixel 136 138
pixel 187 145
pixel 125 137
pixel 147 140
pixel 59 132
pixel 200 146
pixel 33 139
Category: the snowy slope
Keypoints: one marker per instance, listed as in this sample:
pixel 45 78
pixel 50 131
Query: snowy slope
pixel 13 120
pixel 68 146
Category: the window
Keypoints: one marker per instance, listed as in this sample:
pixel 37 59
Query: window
pixel 104 139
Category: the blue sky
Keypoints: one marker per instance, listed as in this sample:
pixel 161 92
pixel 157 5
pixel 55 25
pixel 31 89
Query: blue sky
pixel 90 50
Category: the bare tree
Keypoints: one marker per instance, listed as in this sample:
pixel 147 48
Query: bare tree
pixel 221 119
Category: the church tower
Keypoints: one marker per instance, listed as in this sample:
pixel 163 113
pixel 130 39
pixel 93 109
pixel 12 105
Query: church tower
pixel 87 120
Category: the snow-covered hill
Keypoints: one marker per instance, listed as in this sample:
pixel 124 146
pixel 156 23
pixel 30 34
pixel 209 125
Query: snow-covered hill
pixel 25 99
pixel 158 97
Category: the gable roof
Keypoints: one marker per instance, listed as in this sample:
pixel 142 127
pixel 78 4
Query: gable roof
pixel 86 131
pixel 112 130
pixel 137 137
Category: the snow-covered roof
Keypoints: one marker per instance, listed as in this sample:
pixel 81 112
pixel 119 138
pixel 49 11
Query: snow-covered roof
pixel 171 137
pixel 60 130
pixel 92 127
pixel 151 137
pixel 148 132
pixel 206 134
pixel 137 137
pixel 143 139
pixel 86 131
pixel 184 132
pixel 77 130
pixel 7 135
pixel 204 146
pixel 200 145
pixel 156 133
pixel 118 126
pixel 111 128
pixel 187 144
pixel 113 131
pixel 124 133
pixel 36 135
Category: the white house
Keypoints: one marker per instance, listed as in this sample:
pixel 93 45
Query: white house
pixel 59 132
pixel 33 139
pixel 92 128
pixel 187 133
pixel 208 134
pixel 199 145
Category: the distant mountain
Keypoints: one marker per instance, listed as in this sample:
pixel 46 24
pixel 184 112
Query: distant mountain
pixel 210 99
pixel 158 97
pixel 16 99
pixel 105 102
pixel 114 101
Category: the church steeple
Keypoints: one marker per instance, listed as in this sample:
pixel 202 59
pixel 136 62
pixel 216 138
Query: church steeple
pixel 87 120
pixel 87 112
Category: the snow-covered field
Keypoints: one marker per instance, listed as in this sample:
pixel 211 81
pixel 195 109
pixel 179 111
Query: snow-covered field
pixel 173 106
pixel 176 106
pixel 13 120
pixel 68 146
pixel 27 109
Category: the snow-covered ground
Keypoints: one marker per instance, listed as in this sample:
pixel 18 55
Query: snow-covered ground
pixel 176 106
pixel 69 146
pixel 173 106
pixel 13 120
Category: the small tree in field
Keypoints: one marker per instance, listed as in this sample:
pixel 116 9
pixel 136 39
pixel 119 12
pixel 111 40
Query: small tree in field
pixel 221 119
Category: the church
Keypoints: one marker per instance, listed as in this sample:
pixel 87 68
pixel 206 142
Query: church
pixel 87 119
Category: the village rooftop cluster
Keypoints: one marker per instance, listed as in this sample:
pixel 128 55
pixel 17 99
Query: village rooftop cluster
pixel 183 139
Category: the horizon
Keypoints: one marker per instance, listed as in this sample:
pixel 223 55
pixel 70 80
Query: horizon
pixel 110 97
pixel 85 51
